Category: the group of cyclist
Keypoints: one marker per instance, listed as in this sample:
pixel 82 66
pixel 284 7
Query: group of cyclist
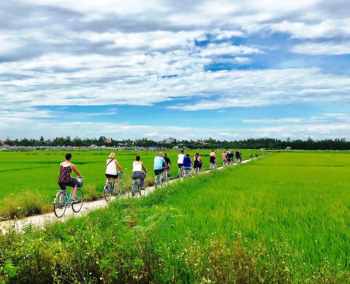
pixel 161 165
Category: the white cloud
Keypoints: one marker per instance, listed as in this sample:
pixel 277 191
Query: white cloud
pixel 228 49
pixel 325 48
pixel 7 44
pixel 322 29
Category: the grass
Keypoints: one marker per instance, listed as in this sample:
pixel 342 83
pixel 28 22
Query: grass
pixel 279 219
pixel 38 170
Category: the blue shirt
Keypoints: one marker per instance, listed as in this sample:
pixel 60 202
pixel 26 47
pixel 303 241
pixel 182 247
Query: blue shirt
pixel 187 162
pixel 158 163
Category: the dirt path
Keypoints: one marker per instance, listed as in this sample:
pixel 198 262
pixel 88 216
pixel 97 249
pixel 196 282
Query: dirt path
pixel 42 220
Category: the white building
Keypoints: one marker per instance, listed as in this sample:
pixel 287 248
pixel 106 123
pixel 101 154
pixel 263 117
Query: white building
pixel 168 140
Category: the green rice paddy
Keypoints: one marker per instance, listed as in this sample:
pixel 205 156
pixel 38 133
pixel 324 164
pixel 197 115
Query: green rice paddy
pixel 289 212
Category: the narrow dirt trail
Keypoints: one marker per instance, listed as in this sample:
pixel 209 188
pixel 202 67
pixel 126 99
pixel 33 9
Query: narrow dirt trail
pixel 42 220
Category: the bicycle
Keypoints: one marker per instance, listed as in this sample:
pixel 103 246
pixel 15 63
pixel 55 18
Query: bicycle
pixel 136 187
pixel 181 172
pixel 196 171
pixel 158 182
pixel 111 189
pixel 166 176
pixel 62 201
pixel 187 173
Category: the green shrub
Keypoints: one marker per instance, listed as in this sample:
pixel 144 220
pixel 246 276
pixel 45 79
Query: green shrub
pixel 90 192
pixel 25 204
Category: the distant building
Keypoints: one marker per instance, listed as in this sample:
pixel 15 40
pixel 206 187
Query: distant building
pixel 108 141
pixel 48 142
pixel 93 146
pixel 169 140
pixel 289 148
pixel 176 147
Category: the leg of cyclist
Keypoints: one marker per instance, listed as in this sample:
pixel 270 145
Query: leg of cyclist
pixel 74 190
pixel 163 173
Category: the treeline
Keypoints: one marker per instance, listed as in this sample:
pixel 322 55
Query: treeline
pixel 252 143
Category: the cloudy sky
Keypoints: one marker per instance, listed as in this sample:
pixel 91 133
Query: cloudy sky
pixel 186 69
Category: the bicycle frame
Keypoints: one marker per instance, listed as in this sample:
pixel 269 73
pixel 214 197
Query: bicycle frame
pixel 181 172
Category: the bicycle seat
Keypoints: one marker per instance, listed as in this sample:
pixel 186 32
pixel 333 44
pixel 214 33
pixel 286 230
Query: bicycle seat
pixel 135 178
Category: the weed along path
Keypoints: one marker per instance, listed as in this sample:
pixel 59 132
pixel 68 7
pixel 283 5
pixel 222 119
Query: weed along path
pixel 41 220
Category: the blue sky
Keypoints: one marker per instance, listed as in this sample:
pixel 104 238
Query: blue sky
pixel 222 69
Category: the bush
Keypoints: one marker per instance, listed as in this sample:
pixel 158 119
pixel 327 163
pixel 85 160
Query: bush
pixel 256 155
pixel 90 192
pixel 25 204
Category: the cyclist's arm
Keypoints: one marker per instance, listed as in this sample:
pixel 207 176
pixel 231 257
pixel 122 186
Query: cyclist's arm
pixel 143 167
pixel 73 167
pixel 116 162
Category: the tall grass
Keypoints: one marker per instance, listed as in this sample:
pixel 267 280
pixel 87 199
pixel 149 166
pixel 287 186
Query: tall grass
pixel 25 204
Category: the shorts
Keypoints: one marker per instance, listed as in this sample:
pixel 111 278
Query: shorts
pixel 112 176
pixel 63 185
pixel 198 166
pixel 159 171
pixel 187 168
pixel 180 165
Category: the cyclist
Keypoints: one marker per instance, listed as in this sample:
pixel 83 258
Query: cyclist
pixel 198 162
pixel 64 179
pixel 137 167
pixel 187 163
pixel 159 164
pixel 212 158
pixel 230 156
pixel 180 159
pixel 168 162
pixel 224 158
pixel 238 156
pixel 111 171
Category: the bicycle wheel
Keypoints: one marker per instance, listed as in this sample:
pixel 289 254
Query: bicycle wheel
pixel 76 206
pixel 139 190
pixel 135 188
pixel 108 191
pixel 59 204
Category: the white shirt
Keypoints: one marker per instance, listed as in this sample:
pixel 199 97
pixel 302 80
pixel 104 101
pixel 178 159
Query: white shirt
pixel 180 158
pixel 111 168
pixel 136 167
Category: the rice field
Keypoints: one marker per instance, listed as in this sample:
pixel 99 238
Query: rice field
pixel 38 170
pixel 283 218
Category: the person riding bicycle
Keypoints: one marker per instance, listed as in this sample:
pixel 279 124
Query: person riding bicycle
pixel 64 179
pixel 238 156
pixel 212 158
pixel 187 163
pixel 168 162
pixel 230 156
pixel 159 164
pixel 198 162
pixel 224 158
pixel 137 173
pixel 111 171
pixel 180 159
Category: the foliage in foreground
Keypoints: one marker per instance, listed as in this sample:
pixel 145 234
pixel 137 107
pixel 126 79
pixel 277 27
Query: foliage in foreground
pixel 25 204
